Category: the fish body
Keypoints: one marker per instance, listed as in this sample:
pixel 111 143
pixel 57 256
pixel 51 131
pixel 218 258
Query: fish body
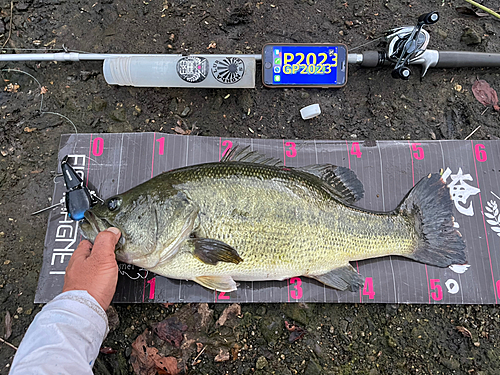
pixel 248 218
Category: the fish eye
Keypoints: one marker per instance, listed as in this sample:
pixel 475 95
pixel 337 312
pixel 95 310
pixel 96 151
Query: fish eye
pixel 114 203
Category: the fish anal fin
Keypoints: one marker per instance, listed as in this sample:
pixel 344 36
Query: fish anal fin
pixel 212 251
pixel 341 278
pixel 344 182
pixel 219 283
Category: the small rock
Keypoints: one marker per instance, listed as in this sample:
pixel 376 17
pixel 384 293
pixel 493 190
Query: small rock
pixel 261 363
pixel 304 95
pixel 343 325
pixel 28 311
pixel 4 153
pixel 443 34
pixel 313 368
pixel 137 110
pixel 2 234
pixel 119 115
pixel 22 6
pixel 271 328
pixel 470 37
pixel 19 310
pixel 186 111
pixel 172 107
pixel 99 104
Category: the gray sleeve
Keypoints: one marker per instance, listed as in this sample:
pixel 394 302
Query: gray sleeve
pixel 64 338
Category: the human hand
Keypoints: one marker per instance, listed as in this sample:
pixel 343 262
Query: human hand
pixel 95 271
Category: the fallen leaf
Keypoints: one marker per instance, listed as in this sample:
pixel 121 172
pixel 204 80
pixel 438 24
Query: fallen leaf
pixel 179 130
pixel 212 45
pixel 27 129
pixel 234 309
pixel 205 314
pixel 485 94
pixel 113 318
pixel 166 365
pixel 171 330
pixel 222 356
pixel 43 90
pixel 141 357
pixel 107 350
pixel 464 331
pixel 168 304
pixel 145 360
pixel 470 12
pixel 296 332
pixel 8 326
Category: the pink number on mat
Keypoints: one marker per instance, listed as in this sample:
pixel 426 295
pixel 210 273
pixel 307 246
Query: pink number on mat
pixel 297 293
pixel 162 145
pixel 480 152
pixel 98 146
pixel 419 151
pixel 355 150
pixel 368 288
pixel 292 152
pixel 152 284
pixel 222 295
pixel 435 285
pixel 229 145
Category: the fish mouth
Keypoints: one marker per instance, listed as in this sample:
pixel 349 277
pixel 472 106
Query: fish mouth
pixel 92 225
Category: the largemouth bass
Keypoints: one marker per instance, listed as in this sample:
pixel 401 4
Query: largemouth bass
pixel 249 218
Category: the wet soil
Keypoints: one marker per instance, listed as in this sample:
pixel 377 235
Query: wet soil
pixel 340 339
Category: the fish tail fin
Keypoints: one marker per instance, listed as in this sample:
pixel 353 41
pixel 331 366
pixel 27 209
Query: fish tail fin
pixel 430 206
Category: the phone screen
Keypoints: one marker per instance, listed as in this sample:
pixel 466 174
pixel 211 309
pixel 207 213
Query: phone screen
pixel 304 65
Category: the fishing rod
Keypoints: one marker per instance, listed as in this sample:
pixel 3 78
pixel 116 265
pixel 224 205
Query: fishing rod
pixel 405 46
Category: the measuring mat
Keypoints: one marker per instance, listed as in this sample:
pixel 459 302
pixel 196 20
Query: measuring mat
pixel 113 163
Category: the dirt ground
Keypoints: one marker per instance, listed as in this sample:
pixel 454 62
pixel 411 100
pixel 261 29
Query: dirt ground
pixel 340 339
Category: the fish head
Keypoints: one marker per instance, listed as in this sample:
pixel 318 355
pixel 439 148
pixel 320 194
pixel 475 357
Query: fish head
pixel 152 224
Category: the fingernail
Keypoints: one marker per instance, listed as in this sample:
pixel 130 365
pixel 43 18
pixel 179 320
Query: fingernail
pixel 114 230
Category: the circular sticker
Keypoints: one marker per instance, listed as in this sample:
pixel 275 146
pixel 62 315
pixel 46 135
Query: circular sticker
pixel 228 70
pixel 192 69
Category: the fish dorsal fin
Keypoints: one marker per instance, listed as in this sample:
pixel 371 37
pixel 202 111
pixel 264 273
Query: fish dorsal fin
pixel 244 154
pixel 343 181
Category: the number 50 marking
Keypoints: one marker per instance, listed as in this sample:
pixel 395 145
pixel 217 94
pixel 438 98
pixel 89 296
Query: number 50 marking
pixel 418 151
pixel 437 295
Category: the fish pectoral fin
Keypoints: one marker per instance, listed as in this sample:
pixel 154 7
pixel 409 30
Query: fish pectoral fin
pixel 343 181
pixel 212 251
pixel 219 283
pixel 342 278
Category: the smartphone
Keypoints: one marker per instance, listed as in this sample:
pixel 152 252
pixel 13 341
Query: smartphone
pixel 304 65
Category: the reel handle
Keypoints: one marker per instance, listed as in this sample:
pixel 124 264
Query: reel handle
pixel 428 18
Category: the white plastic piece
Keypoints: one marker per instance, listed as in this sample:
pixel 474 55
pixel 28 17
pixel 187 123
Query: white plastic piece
pixel 310 111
